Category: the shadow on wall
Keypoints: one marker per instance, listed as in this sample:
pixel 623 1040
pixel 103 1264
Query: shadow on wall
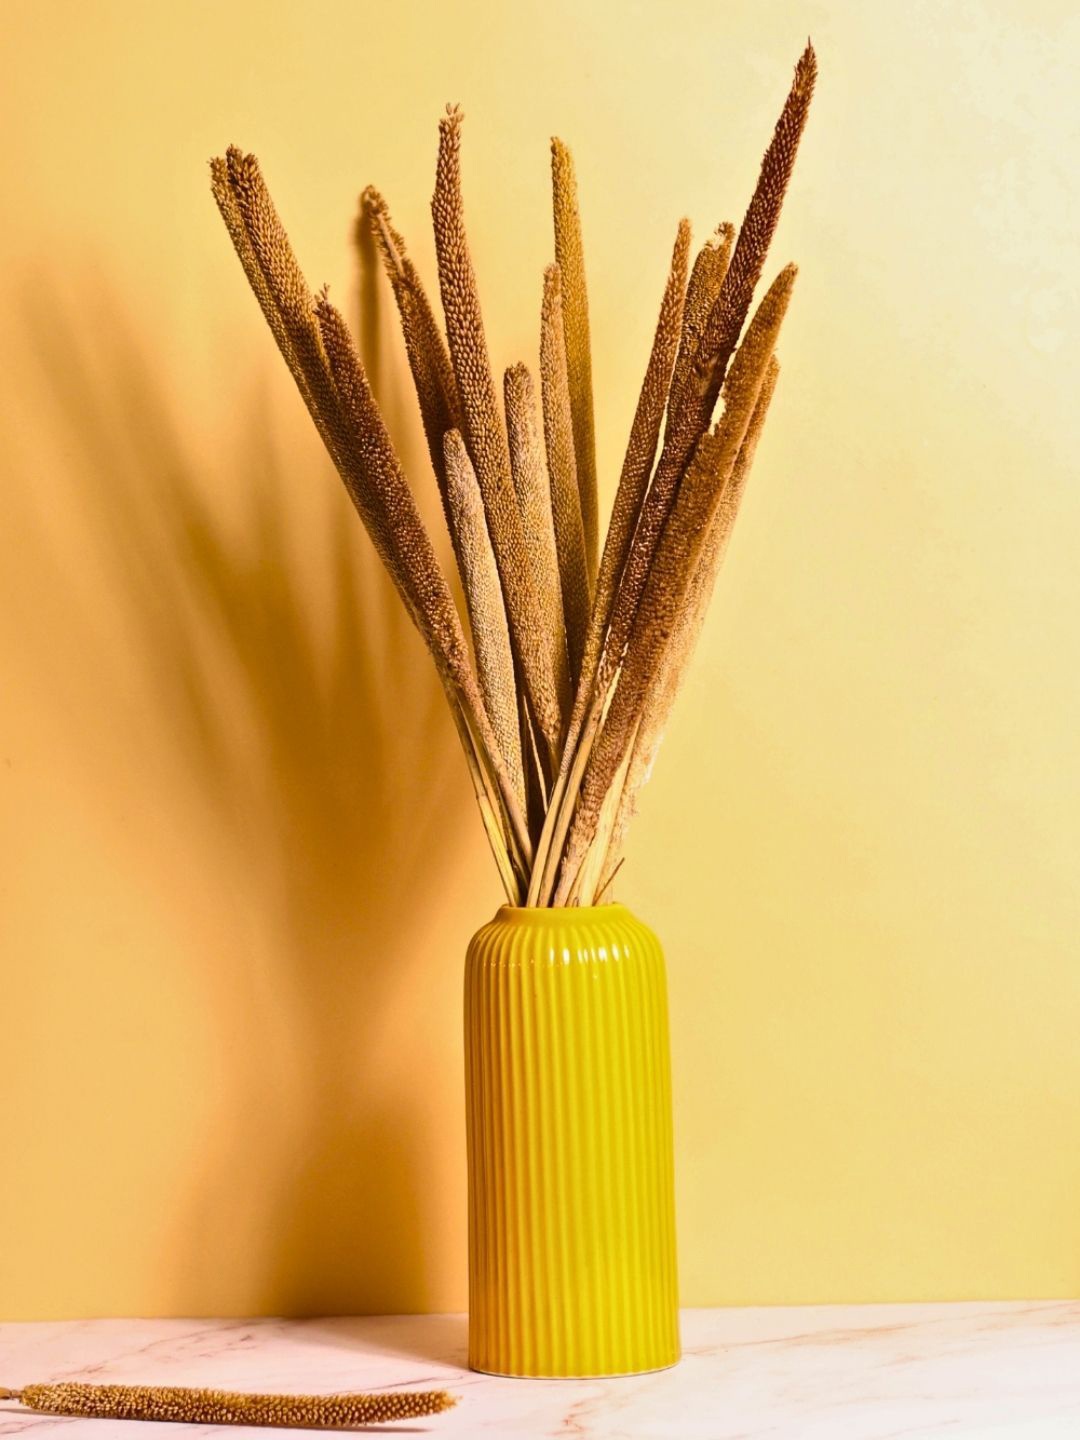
pixel 317 739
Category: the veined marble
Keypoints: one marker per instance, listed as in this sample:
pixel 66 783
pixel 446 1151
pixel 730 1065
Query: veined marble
pixel 991 1370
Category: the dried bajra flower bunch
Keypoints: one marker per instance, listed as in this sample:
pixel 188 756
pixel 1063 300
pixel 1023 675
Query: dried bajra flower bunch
pixel 562 671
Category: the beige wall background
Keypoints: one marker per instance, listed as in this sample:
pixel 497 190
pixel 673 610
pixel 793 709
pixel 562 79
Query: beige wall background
pixel 240 862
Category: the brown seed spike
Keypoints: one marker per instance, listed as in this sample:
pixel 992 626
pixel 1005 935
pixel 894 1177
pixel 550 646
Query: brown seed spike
pixel 487 613
pixel 666 683
pixel 641 447
pixel 562 472
pixel 429 360
pixel 387 489
pixel 570 258
pixel 672 571
pixel 534 501
pixel 625 514
pixel 752 246
pixel 484 435
pixel 702 384
pixel 710 267
pixel 223 1407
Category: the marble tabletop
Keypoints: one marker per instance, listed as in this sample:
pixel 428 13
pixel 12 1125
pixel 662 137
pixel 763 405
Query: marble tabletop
pixel 994 1370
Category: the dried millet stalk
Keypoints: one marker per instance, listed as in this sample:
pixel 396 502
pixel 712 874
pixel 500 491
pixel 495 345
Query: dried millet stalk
pixel 719 335
pixel 668 680
pixel 710 267
pixel 534 501
pixel 423 577
pixel 677 558
pixel 570 258
pixel 385 481
pixel 223 1407
pixel 487 614
pixel 633 480
pixel 641 447
pixel 234 223
pixel 425 347
pixel 562 472
pixel 484 434
pixel 289 306
pixel 752 246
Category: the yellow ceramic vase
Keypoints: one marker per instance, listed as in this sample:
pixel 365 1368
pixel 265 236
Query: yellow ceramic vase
pixel 571 1176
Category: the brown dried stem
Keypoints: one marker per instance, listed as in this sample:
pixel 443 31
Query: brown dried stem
pixel 534 501
pixel 562 473
pixel 640 449
pixel 485 437
pixel 720 334
pixel 668 680
pixel 570 258
pixel 677 558
pixel 385 486
pixel 710 267
pixel 425 347
pixel 633 480
pixel 487 614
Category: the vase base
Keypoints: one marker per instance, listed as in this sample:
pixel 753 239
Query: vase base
pixel 577 1375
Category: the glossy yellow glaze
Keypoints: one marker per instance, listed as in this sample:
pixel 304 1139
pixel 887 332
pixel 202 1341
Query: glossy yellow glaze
pixel 571 1176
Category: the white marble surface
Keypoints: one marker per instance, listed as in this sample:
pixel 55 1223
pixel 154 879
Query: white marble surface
pixel 999 1370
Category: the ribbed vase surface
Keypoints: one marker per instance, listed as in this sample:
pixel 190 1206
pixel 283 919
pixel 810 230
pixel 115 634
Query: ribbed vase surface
pixel 571 1175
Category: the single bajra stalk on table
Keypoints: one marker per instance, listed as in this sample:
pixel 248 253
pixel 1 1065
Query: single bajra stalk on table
pixel 577 650
pixel 182 1405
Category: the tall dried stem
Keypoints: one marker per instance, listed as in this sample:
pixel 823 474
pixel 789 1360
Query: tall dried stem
pixel 679 653
pixel 671 575
pixel 425 347
pixel 710 267
pixel 487 614
pixel 633 480
pixel 719 336
pixel 562 473
pixel 484 434
pixel 570 258
pixel 534 501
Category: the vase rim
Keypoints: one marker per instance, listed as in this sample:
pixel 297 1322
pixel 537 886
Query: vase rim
pixel 525 914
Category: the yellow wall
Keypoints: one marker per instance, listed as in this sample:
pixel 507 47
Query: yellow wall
pixel 240 861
